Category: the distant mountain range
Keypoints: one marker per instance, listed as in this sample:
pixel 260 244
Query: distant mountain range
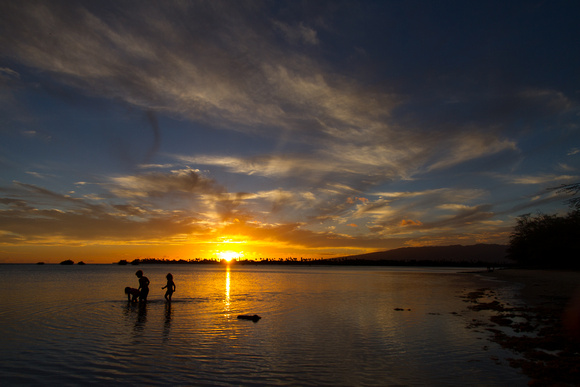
pixel 485 253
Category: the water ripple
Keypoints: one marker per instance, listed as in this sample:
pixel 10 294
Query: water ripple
pixel 317 328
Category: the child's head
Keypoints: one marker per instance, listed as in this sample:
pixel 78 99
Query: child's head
pixel 139 273
pixel 169 276
pixel 127 290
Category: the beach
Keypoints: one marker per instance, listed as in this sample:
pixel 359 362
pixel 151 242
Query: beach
pixel 541 326
pixel 549 288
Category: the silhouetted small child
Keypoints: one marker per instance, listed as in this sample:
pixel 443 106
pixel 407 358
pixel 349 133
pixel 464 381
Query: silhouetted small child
pixel 132 292
pixel 143 285
pixel 170 287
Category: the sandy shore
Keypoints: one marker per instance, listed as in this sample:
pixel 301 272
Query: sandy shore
pixel 544 334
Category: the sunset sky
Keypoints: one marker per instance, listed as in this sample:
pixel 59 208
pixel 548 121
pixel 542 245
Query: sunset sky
pixel 189 129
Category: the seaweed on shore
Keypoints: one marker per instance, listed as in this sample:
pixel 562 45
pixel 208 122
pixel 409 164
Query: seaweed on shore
pixel 548 356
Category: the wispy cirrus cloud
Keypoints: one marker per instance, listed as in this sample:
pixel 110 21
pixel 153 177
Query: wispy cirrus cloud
pixel 204 74
pixel 156 184
pixel 540 179
pixel 137 222
pixel 298 33
pixel 199 69
pixel 40 215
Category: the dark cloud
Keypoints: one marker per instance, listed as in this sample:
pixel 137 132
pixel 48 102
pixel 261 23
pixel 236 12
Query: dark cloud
pixel 156 184
pixel 464 217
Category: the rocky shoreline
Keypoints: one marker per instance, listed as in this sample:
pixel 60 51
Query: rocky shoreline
pixel 541 326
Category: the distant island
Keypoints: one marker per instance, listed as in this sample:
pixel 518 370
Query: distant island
pixel 66 262
pixel 479 255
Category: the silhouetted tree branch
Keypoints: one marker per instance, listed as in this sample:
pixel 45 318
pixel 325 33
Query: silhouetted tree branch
pixel 574 190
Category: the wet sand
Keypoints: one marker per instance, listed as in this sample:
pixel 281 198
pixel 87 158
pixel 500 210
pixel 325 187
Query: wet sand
pixel 547 288
pixel 544 332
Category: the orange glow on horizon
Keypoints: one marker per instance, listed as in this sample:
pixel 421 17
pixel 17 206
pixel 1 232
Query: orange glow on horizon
pixel 229 255
pixel 228 248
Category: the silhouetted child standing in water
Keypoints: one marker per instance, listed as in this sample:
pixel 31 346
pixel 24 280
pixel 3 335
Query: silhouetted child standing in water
pixel 143 285
pixel 170 287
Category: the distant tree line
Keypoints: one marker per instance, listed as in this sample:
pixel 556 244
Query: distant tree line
pixel 345 261
pixel 146 261
pixel 549 241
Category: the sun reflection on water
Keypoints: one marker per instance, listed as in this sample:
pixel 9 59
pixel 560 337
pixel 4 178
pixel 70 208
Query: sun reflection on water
pixel 343 318
pixel 227 295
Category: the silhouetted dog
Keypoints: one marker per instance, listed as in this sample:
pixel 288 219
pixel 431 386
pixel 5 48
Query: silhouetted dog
pixel 132 292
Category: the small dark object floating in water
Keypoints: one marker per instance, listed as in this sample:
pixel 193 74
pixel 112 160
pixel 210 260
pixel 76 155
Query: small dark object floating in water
pixel 254 318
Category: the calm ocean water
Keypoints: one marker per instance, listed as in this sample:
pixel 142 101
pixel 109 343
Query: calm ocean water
pixel 72 325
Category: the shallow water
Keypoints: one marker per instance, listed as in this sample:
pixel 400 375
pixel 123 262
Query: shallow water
pixel 72 325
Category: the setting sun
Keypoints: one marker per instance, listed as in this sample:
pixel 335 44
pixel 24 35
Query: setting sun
pixel 228 255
